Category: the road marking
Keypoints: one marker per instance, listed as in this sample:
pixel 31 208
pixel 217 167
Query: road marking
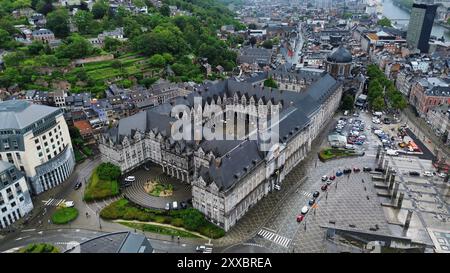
pixel 53 202
pixel 77 230
pixel 29 230
pixel 278 239
pixel 307 194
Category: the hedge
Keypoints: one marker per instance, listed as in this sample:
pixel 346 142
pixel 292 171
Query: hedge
pixel 190 218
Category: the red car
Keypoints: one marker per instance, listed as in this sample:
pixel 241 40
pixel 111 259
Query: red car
pixel 300 217
pixel 356 170
pixel 332 177
pixel 324 187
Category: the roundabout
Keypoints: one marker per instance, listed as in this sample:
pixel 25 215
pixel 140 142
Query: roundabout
pixel 154 189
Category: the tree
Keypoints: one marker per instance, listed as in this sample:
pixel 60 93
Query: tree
pixel 270 82
pixel 44 6
pixel 111 44
pixel 157 60
pixel 378 104
pixel 58 22
pixel 385 22
pixel 75 47
pixel 165 10
pixel 35 48
pixel 99 9
pixel 84 21
pixel 168 58
pixel 267 44
pixel 5 38
pixel 347 102
pixel 108 171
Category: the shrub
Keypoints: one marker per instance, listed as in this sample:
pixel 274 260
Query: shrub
pixel 39 248
pixel 108 171
pixel 177 222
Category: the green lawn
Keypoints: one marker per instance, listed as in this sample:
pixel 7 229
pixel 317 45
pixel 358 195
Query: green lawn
pixel 190 219
pixel 160 229
pixel 98 189
pixel 331 153
pixel 39 248
pixel 64 215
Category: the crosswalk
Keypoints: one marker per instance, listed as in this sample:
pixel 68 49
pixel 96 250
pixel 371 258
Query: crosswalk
pixel 52 202
pixel 307 194
pixel 271 236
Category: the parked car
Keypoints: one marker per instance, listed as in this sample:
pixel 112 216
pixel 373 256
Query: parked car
pixel 167 206
pixel 356 169
pixel 130 179
pixel 367 169
pixel 324 178
pixel 316 194
pixel 201 248
pixel 442 175
pixel 174 205
pixel 324 187
pixel 381 170
pixel 347 171
pixel 77 185
pixel 311 202
pixel 300 217
pixel 332 177
pixel 277 187
pixel 305 210
pixel 329 182
pixel 428 173
pixel 414 173
pixel 349 147
pixel 339 173
pixel 183 205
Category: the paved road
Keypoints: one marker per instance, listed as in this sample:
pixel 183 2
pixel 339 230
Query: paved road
pixel 65 238
pixel 46 203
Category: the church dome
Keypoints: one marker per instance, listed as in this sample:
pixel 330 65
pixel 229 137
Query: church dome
pixel 340 55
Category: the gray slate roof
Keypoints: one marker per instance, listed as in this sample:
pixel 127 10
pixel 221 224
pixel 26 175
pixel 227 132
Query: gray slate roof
pixel 18 114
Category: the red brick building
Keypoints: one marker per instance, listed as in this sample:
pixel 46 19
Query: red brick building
pixel 429 92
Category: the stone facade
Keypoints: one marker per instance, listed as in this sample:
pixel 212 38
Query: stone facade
pixel 227 176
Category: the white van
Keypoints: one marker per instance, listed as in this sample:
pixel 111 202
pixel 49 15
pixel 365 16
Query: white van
pixel 377 114
pixel 174 205
pixel 392 152
pixel 69 204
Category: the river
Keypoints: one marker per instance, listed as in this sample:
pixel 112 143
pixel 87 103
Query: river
pixel 392 11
